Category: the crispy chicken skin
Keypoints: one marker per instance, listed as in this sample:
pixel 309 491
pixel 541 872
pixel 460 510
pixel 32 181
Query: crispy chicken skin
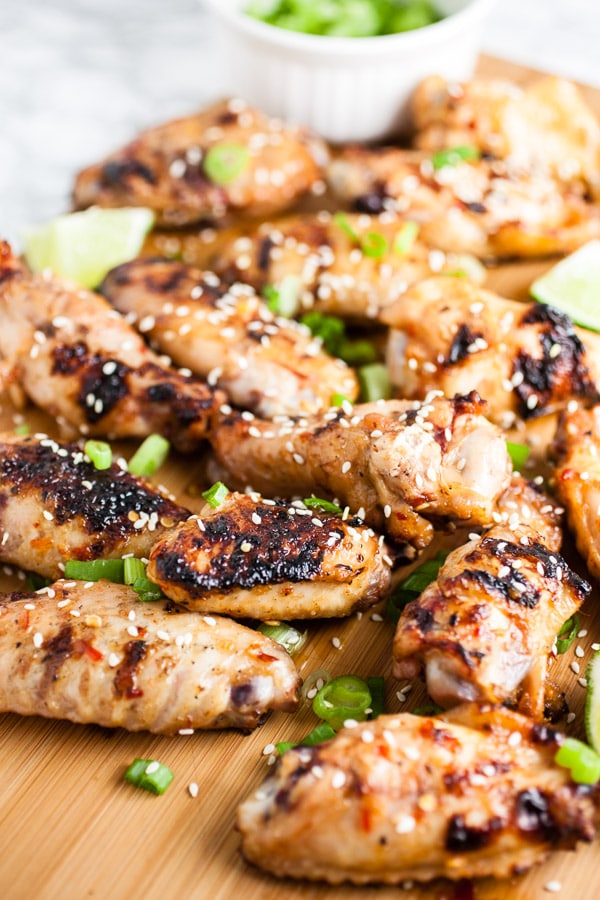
pixel 526 359
pixel 333 264
pixel 79 360
pixel 576 449
pixel 270 365
pixel 55 505
pixel 402 466
pixel 546 124
pixel 483 207
pixel 471 794
pixel 164 167
pixel 487 624
pixel 266 559
pixel 525 503
pixel 94 653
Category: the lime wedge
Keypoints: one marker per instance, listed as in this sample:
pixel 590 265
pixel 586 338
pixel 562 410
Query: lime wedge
pixel 592 702
pixel 573 286
pixel 84 246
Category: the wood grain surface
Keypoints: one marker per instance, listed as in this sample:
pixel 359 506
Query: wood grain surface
pixel 71 828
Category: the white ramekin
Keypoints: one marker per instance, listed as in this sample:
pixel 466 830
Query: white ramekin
pixel 345 89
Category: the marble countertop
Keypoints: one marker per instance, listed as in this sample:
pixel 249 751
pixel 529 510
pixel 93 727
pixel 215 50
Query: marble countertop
pixel 80 77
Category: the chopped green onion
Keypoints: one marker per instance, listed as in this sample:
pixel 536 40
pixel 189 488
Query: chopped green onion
pixel 583 762
pixel 149 456
pixel 325 505
pixel 341 220
pixel 374 245
pixel 23 428
pixel 99 454
pixel 430 709
pixel 404 240
pixel 346 697
pixel 150 775
pixel 95 569
pixel 519 454
pixel 289 637
pixel 285 299
pixel 357 352
pixel 567 634
pixel 216 494
pixel 224 162
pixel 414 585
pixel 133 568
pixel 374 382
pixel 340 400
pixel 376 686
pixel 35 582
pixel 330 329
pixel 323 732
pixel 454 156
pixel 146 590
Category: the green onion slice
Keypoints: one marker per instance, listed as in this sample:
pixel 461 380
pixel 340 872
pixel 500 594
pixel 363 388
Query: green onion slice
pixel 374 382
pixel 567 634
pixel 224 162
pixel 99 454
pixel 340 400
pixel 95 569
pixel 346 697
pixel 430 709
pixel 146 590
pixel 216 494
pixel 150 775
pixel 149 456
pixel 376 685
pixel 374 245
pixel 454 156
pixel 583 762
pixel 406 237
pixel 23 428
pixel 323 732
pixel 414 585
pixel 358 352
pixel 289 637
pixel 330 329
pixel 36 582
pixel 519 454
pixel 341 220
pixel 133 568
pixel 325 505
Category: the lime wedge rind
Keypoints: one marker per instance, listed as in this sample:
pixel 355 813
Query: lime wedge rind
pixel 592 702
pixel 573 286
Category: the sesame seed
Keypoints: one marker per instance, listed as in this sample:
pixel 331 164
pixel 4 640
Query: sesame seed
pixel 268 749
pixel 575 667
pixel 185 731
pixel 514 739
pixel 367 737
pixel 582 682
pixel 113 660
pixel 246 546
pixel 38 639
pixel 338 779
pixel 580 652
pixel 132 631
pixel 553 887
pixel 346 467
pixel 571 717
pixel 387 511
pixel 335 642
pixel 192 788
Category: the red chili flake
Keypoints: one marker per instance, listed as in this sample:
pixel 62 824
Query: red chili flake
pixel 366 822
pixel 265 657
pixel 85 649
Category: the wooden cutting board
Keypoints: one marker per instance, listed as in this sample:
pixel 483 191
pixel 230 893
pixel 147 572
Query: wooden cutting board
pixel 70 828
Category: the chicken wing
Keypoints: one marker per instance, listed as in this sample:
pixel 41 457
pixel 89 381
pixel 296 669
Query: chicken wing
pixel 526 503
pixel 480 206
pixel 401 466
pixel 55 505
pixel 229 157
pixel 474 793
pixel 270 365
pixel 352 266
pixel 487 624
pixel 577 475
pixel 267 559
pixel 78 359
pixel 94 653
pixel 526 359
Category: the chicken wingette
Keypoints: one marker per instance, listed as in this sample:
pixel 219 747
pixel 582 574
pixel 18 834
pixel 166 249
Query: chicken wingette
pixel 473 793
pixel 267 364
pixel 78 359
pixel 267 559
pixel 401 466
pixel 92 653
pixel 526 359
pixel 227 158
pixel 55 505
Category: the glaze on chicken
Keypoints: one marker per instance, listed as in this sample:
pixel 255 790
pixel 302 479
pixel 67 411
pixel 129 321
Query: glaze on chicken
pixel 269 365
pixel 267 559
pixel 93 653
pixel 263 166
pixel 470 794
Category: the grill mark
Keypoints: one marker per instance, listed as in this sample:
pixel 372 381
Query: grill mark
pixel 115 173
pixel 461 838
pixel 459 349
pixel 125 680
pixel 107 390
pixel 263 256
pixel 58 649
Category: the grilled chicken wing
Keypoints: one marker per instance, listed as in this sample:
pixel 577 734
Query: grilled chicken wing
pixel 229 157
pixel 527 360
pixel 267 364
pixel 351 265
pixel 267 559
pixel 474 793
pixel 94 653
pixel 55 505
pixel 577 475
pixel 487 624
pixel 545 125
pixel 482 206
pixel 77 358
pixel 401 465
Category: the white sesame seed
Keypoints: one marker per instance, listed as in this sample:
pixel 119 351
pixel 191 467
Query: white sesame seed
pixel 553 887
pixel 571 717
pixel 514 739
pixel 209 620
pixel 580 652
pixel 132 631
pixel 192 788
pixel 38 639
pixel 246 546
pixel 47 515
pixel 582 682
pixel 113 660
pixel 575 667
pixel 185 731
pixel 335 642
pixel 346 467
pixel 338 779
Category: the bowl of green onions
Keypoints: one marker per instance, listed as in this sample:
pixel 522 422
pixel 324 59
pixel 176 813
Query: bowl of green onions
pixel 344 68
